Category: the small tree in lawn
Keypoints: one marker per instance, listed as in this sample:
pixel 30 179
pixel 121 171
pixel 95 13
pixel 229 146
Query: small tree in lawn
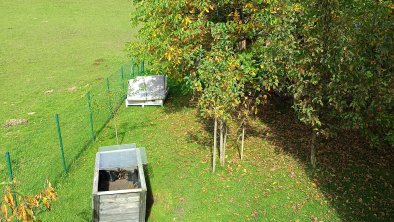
pixel 116 98
pixel 210 45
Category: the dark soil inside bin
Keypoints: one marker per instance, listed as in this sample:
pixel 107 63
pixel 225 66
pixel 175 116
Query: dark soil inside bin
pixel 120 179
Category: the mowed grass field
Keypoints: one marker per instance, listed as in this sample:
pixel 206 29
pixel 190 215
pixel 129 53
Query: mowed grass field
pixel 53 52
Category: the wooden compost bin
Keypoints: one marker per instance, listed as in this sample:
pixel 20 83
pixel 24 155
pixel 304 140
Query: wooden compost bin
pixel 127 203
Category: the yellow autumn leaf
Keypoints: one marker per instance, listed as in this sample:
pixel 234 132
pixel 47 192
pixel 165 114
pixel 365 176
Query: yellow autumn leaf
pixel 4 210
pixel 45 202
pixel 187 21
pixel 10 199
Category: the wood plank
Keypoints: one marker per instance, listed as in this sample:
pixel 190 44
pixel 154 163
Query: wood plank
pixel 96 174
pixel 143 187
pixel 120 198
pixel 116 206
pixel 102 193
pixel 127 220
pixel 142 207
pixel 96 210
pixel 116 218
pixel 123 204
pixel 115 210
pixel 140 170
pixel 118 203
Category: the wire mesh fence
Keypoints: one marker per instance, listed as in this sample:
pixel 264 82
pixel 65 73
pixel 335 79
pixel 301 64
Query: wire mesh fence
pixel 58 141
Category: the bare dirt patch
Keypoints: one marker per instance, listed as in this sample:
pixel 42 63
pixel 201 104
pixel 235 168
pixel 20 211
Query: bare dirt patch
pixel 48 91
pixel 98 62
pixel 72 89
pixel 15 122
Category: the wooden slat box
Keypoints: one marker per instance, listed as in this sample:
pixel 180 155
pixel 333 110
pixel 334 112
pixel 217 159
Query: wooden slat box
pixel 124 204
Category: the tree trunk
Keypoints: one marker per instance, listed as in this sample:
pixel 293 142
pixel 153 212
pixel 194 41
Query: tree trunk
pixel 224 143
pixel 313 149
pixel 243 140
pixel 221 143
pixel 215 129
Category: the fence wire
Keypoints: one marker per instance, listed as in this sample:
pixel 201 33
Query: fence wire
pixel 76 121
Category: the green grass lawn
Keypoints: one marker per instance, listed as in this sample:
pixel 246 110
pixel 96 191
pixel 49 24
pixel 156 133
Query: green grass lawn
pixel 70 46
pixel 184 189
pixel 51 52
pixel 272 183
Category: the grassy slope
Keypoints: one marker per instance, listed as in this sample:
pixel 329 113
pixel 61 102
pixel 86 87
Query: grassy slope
pixel 272 183
pixel 52 45
pixel 267 185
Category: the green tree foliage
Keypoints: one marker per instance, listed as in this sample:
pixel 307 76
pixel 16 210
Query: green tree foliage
pixel 333 57
pixel 341 69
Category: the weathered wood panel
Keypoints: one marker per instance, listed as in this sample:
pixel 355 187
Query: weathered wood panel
pixel 126 197
pixel 124 217
pixel 120 205
pixel 96 205
pixel 116 210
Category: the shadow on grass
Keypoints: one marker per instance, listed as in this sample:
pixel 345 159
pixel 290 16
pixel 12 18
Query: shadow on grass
pixel 85 215
pixel 177 99
pixel 355 178
pixel 204 137
pixel 83 149
pixel 149 197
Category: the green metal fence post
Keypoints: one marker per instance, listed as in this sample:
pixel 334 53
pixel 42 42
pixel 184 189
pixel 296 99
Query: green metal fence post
pixel 59 133
pixel 143 67
pixel 109 99
pixel 138 70
pixel 8 160
pixel 90 115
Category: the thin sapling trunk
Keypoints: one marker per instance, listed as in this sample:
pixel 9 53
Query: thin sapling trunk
pixel 224 143
pixel 215 129
pixel 313 149
pixel 221 143
pixel 242 142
